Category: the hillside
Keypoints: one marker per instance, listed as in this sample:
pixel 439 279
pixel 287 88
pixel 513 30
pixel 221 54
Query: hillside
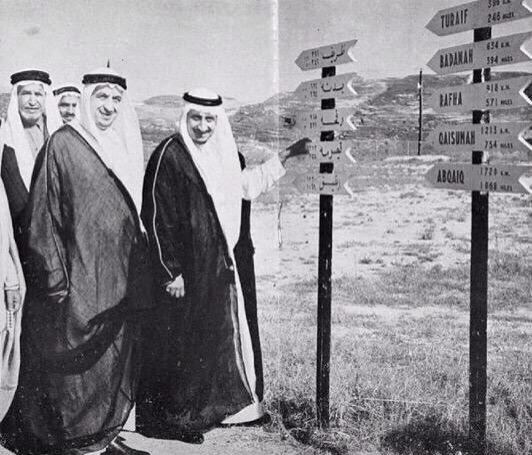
pixel 385 111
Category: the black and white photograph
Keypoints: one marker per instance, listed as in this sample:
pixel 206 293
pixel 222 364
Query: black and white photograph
pixel 266 227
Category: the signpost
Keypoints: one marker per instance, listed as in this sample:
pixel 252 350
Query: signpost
pixel 328 184
pixel 464 137
pixel 504 50
pixel 481 135
pixel 327 56
pixel 338 152
pixel 483 177
pixel 493 95
pixel 340 119
pixel 481 13
pixel 328 154
pixel 317 89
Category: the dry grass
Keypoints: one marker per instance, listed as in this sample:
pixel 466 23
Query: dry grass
pixel 399 368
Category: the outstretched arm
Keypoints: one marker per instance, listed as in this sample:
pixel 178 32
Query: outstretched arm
pixel 261 178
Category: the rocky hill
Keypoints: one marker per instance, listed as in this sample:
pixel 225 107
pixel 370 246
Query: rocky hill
pixel 385 111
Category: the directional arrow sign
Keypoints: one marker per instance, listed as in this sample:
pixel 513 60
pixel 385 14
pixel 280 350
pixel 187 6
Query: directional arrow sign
pixel 331 55
pixel 504 50
pixel 481 177
pixel 481 13
pixel 504 94
pixel 466 137
pixel 340 119
pixel 338 152
pixel 327 87
pixel 330 184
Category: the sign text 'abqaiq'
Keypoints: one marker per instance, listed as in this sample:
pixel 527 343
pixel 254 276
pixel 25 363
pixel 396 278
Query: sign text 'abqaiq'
pixel 481 177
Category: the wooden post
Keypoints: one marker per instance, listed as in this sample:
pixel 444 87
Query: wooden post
pixel 324 281
pixel 420 123
pixel 478 288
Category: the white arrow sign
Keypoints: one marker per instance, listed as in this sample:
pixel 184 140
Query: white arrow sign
pixel 330 184
pixel 491 137
pixel 481 13
pixel 327 87
pixel 338 152
pixel 331 55
pixel 340 119
pixel 504 50
pixel 481 177
pixel 503 94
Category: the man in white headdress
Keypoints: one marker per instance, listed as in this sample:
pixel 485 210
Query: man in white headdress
pixel 87 279
pixel 202 353
pixel 32 116
pixel 11 298
pixel 67 97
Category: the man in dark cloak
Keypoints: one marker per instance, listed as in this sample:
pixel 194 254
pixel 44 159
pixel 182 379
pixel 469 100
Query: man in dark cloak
pixel 32 116
pixel 87 279
pixel 202 365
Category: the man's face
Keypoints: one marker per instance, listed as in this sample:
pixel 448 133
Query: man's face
pixel 67 107
pixel 31 102
pixel 200 125
pixel 105 104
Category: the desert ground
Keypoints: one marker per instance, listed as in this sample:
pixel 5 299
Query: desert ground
pixel 400 296
pixel 400 313
pixel 399 356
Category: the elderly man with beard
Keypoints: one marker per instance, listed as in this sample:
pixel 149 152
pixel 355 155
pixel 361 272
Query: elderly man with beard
pixel 87 279
pixel 31 117
pixel 202 352
pixel 67 97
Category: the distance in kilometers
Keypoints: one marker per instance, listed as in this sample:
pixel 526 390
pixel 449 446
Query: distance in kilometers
pixel 340 119
pixel 491 137
pixel 327 87
pixel 338 152
pixel 481 177
pixel 331 55
pixel 504 50
pixel 481 13
pixel 502 94
pixel 328 184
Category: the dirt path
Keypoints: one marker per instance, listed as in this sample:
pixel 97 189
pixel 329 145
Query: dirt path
pixel 230 441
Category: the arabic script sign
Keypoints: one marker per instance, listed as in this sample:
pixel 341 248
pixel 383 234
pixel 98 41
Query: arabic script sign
pixel 331 55
pixel 327 87
pixel 341 119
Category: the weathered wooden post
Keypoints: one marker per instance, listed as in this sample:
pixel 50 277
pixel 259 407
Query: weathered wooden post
pixel 479 137
pixel 326 182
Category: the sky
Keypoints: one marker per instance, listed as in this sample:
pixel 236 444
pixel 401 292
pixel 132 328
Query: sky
pixel 240 48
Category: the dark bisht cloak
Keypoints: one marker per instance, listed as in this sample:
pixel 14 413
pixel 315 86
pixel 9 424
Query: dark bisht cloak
pixel 192 374
pixel 244 251
pixel 87 279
